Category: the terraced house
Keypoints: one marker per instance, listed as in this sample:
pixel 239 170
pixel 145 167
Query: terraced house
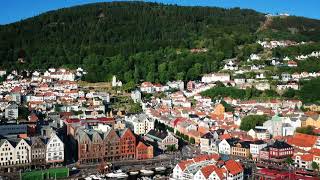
pixel 110 145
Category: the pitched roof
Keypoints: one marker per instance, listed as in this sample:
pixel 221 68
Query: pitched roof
pixel 207 170
pixel 183 164
pixel 141 145
pixel 158 134
pixel 302 140
pixel 307 157
pixel 280 145
pixel 233 167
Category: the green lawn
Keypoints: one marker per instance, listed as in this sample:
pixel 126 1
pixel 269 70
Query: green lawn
pixel 46 174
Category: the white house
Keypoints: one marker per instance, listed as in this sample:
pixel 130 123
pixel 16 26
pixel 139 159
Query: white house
pixel 22 152
pixel 176 85
pixel 224 147
pixel 256 146
pixel 54 149
pixel 303 161
pixel 136 96
pixel 259 132
pixel 140 123
pixel 214 77
pixel 7 155
pixel 262 86
pixel 147 87
pixel 116 83
pixel 11 112
pixel 274 126
pixel 255 57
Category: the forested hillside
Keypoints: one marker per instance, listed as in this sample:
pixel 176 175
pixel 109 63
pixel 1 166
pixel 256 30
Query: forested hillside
pixel 137 40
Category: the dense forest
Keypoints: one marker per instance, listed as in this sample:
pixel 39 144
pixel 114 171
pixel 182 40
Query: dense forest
pixel 140 41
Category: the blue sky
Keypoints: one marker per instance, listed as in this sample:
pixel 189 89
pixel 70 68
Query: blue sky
pixel 15 10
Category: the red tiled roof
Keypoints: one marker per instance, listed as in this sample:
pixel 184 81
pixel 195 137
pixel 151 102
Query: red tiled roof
pixel 225 136
pixel 146 84
pixel 233 167
pixel 207 170
pixel 307 157
pixel 302 140
pixel 183 164
pixel 74 120
pixel 16 89
pixel 33 118
pixel 177 120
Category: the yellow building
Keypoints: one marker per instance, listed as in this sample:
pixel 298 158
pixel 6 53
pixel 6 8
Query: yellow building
pixel 241 149
pixel 312 107
pixel 219 110
pixel 313 121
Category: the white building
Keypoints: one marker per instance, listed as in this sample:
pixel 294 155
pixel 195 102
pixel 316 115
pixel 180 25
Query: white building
pixel 303 161
pixel 11 112
pixel 224 147
pixel 136 96
pixel 214 77
pixel 259 132
pixel 176 85
pixel 208 143
pixel 14 151
pixel 22 152
pixel 254 57
pixel 206 169
pixel 54 149
pixel 116 83
pixel 141 123
pixel 262 86
pixel 7 155
pixel 147 87
pixel 256 146
pixel 274 126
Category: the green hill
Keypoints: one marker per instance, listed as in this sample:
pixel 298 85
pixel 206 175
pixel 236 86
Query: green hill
pixel 137 40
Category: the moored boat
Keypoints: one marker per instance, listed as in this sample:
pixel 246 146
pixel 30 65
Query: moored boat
pixel 146 172
pixel 133 173
pixel 161 168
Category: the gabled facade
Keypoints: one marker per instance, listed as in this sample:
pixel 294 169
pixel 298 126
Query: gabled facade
pixel 54 149
pixel 22 152
pixel 7 153
pixel 38 151
pixel 95 146
pixel 143 151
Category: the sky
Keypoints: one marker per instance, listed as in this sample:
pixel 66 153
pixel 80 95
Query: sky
pixel 16 10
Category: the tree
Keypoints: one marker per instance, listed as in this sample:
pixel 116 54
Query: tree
pixel 251 121
pixel 162 70
pixel 289 93
pixel 135 108
pixel 192 140
pixel 310 91
pixel 306 130
pixel 129 86
pixel 315 166
pixel 23 113
pixel 227 106
pixel 289 161
pixel 171 148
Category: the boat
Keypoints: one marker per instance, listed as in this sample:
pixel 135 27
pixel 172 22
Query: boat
pixel 146 172
pixel 134 173
pixel 117 174
pixel 161 168
pixel 144 178
pixel 94 177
